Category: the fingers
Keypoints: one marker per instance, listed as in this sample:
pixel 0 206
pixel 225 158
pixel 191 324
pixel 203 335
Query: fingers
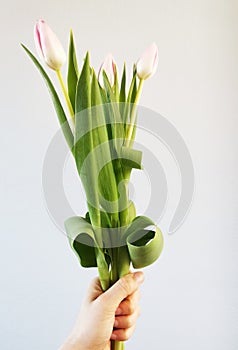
pixel 126 317
pixel 126 286
pixel 127 321
pixel 129 305
pixel 122 334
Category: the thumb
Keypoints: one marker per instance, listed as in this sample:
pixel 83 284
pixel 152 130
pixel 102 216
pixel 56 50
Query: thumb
pixel 121 289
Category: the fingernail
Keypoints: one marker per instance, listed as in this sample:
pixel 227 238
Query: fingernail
pixel 139 276
pixel 113 337
pixel 115 323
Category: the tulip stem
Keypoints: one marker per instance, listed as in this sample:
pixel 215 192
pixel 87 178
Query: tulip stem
pixel 65 92
pixel 133 114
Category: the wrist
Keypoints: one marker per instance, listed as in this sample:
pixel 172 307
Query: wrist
pixel 71 344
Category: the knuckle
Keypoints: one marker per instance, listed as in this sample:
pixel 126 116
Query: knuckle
pixel 128 333
pixel 130 321
pixel 125 285
pixel 131 307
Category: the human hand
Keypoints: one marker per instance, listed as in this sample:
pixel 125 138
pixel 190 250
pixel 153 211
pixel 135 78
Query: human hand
pixel 111 315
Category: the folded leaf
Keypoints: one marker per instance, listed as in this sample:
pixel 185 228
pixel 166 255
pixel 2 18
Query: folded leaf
pixel 81 238
pixel 144 244
pixel 83 242
pixel 131 158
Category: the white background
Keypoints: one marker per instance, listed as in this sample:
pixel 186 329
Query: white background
pixel 189 298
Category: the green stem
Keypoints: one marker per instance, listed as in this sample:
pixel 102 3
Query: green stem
pixel 117 345
pixel 133 114
pixel 65 92
pixel 114 265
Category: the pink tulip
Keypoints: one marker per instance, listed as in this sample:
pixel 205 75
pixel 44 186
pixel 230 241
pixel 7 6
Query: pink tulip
pixel 48 45
pixel 148 62
pixel 109 66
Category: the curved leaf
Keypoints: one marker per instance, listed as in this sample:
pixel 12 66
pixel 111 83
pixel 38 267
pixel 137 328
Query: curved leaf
pixel 81 238
pixel 131 158
pixel 144 244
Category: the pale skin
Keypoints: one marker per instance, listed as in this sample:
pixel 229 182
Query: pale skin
pixel 107 316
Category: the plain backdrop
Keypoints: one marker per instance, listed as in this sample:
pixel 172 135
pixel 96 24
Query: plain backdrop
pixel 189 299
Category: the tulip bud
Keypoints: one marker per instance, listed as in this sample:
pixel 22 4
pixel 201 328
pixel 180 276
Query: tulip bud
pixel 49 46
pixel 109 66
pixel 148 62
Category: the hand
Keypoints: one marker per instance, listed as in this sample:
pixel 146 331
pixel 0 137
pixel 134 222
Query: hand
pixel 106 316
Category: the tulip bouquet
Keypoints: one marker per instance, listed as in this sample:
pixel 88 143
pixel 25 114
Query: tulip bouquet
pixel 100 128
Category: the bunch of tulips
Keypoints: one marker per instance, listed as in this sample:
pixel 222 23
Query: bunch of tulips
pixel 99 127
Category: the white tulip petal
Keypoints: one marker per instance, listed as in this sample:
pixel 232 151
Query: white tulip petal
pixel 109 67
pixel 50 46
pixel 148 62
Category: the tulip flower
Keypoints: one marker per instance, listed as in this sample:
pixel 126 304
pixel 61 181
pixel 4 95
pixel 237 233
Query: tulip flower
pixel 148 62
pixel 48 45
pixel 145 68
pixel 109 66
pixel 50 49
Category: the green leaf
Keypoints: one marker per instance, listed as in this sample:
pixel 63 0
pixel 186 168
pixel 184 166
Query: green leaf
pixel 105 172
pixel 83 91
pixel 114 113
pixel 83 122
pixel 72 77
pixel 144 244
pixel 123 85
pixel 55 98
pixel 131 158
pixel 109 91
pixel 131 210
pixel 87 217
pixel 122 96
pixel 84 155
pixel 96 98
pixel 134 92
pixel 105 221
pixel 129 101
pixel 116 86
pixel 102 264
pixel 81 238
pixel 131 105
